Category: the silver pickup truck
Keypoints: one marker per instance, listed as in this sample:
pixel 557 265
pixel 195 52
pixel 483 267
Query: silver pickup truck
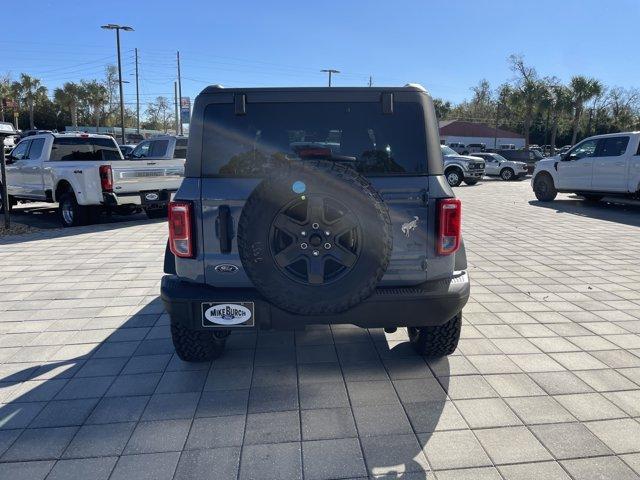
pixel 86 174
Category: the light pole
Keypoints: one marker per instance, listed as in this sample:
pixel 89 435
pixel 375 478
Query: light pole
pixel 117 28
pixel 330 71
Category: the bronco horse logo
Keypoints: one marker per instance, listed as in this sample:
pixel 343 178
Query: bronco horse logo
pixel 412 225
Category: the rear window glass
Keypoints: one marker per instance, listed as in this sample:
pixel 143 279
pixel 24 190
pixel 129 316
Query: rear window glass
pixel 78 148
pixel 358 134
pixel 613 146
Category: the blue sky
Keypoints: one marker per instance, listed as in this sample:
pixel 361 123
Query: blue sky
pixel 445 45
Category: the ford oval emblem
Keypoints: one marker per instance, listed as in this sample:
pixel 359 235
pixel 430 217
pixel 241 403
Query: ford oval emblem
pixel 226 268
pixel 152 196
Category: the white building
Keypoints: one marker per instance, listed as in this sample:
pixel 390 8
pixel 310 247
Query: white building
pixel 468 132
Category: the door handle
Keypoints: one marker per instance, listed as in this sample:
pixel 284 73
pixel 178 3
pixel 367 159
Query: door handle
pixel 224 226
pixel 77 171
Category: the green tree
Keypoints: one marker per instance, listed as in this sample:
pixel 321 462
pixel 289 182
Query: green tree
pixel 69 98
pixel 582 90
pixel 442 108
pixel 528 93
pixel 96 96
pixel 30 90
pixel 560 106
pixel 159 114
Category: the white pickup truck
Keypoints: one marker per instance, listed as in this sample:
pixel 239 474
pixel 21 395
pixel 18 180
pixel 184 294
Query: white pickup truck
pixel 86 174
pixel 604 165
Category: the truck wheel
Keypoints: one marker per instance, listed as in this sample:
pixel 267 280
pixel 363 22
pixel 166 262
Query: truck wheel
pixel 70 213
pixel 436 341
pixel 507 174
pixel 544 188
pixel 318 229
pixel 471 181
pixel 196 345
pixel 156 212
pixel 454 176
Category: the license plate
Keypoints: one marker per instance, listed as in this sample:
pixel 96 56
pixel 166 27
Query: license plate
pixel 228 314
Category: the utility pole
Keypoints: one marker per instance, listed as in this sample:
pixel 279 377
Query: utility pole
pixel 117 28
pixel 137 97
pixel 370 81
pixel 330 71
pixel 179 91
pixel 175 104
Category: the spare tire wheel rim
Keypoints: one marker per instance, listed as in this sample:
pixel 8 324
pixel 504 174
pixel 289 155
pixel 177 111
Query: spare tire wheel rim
pixel 319 248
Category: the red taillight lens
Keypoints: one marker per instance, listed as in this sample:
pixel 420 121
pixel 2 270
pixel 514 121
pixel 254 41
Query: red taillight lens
pixel 180 229
pixel 106 178
pixel 449 226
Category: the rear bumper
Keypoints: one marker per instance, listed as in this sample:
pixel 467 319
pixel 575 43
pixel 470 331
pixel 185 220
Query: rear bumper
pixel 112 199
pixel 428 304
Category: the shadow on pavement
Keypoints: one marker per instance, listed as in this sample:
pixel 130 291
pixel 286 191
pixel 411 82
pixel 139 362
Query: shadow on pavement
pixel 608 209
pixel 44 217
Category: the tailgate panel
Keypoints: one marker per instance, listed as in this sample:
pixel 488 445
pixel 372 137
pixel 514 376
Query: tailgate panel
pixel 136 176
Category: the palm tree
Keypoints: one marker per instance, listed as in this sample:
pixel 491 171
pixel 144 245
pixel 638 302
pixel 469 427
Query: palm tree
pixel 582 89
pixel 30 90
pixel 528 93
pixel 95 95
pixel 560 104
pixel 69 97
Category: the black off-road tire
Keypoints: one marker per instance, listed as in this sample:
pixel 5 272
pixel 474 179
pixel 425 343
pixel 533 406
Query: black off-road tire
pixel 322 179
pixel 507 174
pixel 437 341
pixel 154 213
pixel 471 181
pixel 544 188
pixel 454 180
pixel 196 345
pixel 80 213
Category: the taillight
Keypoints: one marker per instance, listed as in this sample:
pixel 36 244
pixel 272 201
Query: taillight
pixel 449 226
pixel 106 178
pixel 180 229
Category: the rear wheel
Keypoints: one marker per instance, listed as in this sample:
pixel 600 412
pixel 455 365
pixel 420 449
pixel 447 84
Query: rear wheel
pixel 156 212
pixel 507 174
pixel 454 176
pixel 544 188
pixel 196 345
pixel 437 341
pixel 70 213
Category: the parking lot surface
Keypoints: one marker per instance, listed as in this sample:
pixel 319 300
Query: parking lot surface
pixel 545 383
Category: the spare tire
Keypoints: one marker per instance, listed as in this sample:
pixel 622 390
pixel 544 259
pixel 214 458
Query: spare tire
pixel 315 237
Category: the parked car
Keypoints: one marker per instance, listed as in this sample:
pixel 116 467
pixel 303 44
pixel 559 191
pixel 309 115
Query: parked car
pixel 85 174
pixel 161 147
pixel 597 166
pixel 354 224
pixel 459 148
pixel 507 146
pixel 9 141
pixel 476 147
pixel 530 157
pixel 459 168
pixel 126 150
pixel 495 165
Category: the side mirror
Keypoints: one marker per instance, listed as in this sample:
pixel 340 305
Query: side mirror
pixel 9 159
pixel 565 157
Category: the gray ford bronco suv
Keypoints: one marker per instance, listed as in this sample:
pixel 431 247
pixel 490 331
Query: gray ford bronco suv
pixel 314 206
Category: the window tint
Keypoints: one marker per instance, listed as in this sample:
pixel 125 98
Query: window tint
pixel 84 148
pixel 354 133
pixel 181 142
pixel 36 148
pixel 21 150
pixel 180 152
pixel 613 147
pixel 584 150
pixel 142 150
pixel 158 148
